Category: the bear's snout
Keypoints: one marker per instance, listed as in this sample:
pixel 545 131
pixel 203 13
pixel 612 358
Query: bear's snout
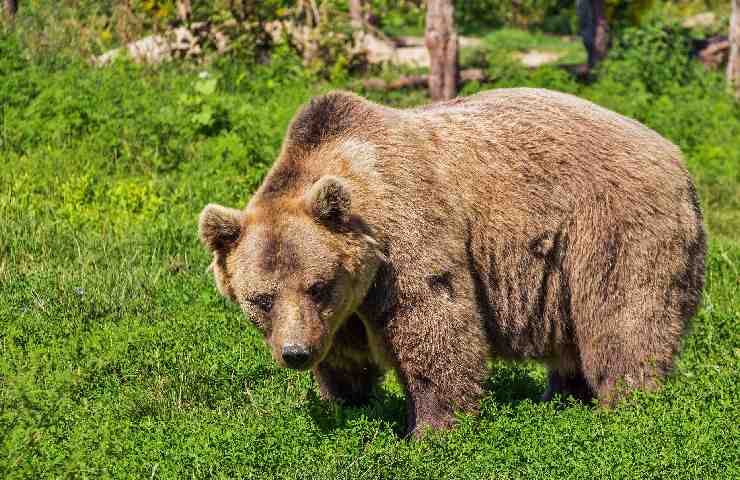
pixel 295 355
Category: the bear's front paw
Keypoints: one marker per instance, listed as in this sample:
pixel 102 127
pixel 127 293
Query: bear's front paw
pixel 346 397
pixel 348 387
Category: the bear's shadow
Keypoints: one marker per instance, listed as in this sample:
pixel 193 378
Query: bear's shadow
pixel 511 385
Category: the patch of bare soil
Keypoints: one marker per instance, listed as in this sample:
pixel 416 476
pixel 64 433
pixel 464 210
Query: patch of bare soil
pixel 536 58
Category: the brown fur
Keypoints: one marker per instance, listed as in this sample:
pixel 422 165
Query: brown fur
pixel 518 223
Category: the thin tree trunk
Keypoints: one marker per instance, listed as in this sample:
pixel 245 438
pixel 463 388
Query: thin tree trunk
pixel 11 8
pixel 594 29
pixel 733 62
pixel 441 41
pixel 184 10
pixel 357 13
pixel 361 14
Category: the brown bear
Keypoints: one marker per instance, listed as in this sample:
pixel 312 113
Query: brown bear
pixel 516 223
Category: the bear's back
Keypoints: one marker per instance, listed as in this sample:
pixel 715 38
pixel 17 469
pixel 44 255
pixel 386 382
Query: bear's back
pixel 523 155
pixel 529 128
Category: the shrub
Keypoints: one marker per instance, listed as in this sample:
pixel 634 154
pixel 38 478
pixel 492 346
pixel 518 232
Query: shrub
pixel 655 55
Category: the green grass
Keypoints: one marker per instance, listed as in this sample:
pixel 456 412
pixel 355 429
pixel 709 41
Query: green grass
pixel 512 40
pixel 119 359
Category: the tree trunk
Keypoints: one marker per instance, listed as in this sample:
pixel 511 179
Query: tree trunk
pixel 11 8
pixel 360 14
pixel 357 13
pixel 733 62
pixel 184 10
pixel 594 29
pixel 441 41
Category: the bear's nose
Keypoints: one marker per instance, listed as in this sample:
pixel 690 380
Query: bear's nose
pixel 295 356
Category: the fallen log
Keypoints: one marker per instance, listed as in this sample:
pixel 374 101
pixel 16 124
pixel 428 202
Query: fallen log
pixel 419 81
pixel 183 42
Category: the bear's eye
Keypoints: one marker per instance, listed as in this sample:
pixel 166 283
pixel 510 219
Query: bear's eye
pixel 263 302
pixel 320 291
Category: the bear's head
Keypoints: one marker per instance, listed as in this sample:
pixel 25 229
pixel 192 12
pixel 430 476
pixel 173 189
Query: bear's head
pixel 298 267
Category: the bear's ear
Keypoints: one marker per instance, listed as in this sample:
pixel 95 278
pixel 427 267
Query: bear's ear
pixel 219 227
pixel 329 202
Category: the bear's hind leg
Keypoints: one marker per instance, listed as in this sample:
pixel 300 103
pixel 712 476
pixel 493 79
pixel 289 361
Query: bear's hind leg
pixel 614 367
pixel 633 347
pixel 630 305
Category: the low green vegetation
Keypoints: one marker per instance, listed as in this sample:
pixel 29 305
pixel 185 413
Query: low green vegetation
pixel 568 50
pixel 119 359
